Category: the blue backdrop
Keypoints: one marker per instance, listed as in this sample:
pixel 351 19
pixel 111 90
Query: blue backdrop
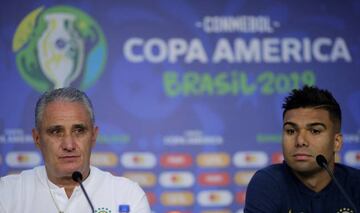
pixel 187 94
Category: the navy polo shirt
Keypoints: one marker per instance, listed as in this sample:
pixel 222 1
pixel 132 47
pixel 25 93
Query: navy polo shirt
pixel 276 189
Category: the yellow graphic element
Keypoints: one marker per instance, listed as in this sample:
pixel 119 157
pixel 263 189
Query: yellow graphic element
pixel 243 178
pixel 56 58
pixel 145 179
pixel 83 26
pixel 104 159
pixel 60 50
pixel 220 159
pixel 177 198
pixel 25 29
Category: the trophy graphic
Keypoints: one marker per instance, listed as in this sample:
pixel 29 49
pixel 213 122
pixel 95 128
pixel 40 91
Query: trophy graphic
pixel 60 50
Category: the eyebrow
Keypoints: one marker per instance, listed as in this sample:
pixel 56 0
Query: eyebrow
pixel 79 126
pixel 84 127
pixel 54 127
pixel 307 125
pixel 50 128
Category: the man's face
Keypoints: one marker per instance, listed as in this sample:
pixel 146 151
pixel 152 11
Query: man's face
pixel 308 132
pixel 65 137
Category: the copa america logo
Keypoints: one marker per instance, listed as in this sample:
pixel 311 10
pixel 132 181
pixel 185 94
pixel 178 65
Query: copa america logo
pixel 58 47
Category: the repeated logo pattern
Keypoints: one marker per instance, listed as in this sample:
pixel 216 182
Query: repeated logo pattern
pixel 177 179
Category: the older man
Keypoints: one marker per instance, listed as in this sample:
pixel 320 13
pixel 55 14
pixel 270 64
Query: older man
pixel 65 133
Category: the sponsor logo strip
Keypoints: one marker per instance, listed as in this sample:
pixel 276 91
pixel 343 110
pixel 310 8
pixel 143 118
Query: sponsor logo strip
pixel 176 160
pixel 250 159
pixel 144 179
pixel 176 179
pixel 242 178
pixel 181 198
pixel 212 198
pixel 138 160
pixel 103 159
pixel 151 198
pixel 213 160
pixel 352 158
pixel 214 179
pixel 240 197
pixel 23 159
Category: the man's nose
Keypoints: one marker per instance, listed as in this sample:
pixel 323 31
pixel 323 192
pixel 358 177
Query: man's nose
pixel 68 142
pixel 301 139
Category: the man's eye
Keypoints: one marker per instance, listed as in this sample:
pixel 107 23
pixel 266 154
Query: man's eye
pixel 315 131
pixel 55 131
pixel 290 131
pixel 79 130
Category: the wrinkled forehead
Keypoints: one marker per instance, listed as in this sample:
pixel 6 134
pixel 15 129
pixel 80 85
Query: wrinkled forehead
pixel 66 110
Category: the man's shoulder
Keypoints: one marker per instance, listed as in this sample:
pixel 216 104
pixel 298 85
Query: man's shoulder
pixel 348 168
pixel 272 174
pixel 273 170
pixel 110 178
pixel 265 189
pixel 23 175
pixel 17 184
pixel 347 172
pixel 118 184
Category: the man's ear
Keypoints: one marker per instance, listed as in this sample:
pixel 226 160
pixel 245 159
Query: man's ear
pixel 36 137
pixel 338 142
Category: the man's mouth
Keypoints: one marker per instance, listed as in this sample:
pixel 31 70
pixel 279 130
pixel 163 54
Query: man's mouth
pixel 69 157
pixel 302 156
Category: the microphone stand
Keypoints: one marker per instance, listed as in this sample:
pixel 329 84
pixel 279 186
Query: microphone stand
pixel 322 162
pixel 77 177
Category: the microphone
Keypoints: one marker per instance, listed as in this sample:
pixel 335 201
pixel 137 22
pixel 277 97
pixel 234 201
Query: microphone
pixel 323 163
pixel 77 177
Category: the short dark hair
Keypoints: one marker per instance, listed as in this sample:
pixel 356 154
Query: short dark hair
pixel 67 94
pixel 313 97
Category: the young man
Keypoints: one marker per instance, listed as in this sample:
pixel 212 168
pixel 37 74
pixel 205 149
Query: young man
pixel 311 127
pixel 65 133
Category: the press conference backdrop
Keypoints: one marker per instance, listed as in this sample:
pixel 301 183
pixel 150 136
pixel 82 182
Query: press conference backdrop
pixel 187 94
